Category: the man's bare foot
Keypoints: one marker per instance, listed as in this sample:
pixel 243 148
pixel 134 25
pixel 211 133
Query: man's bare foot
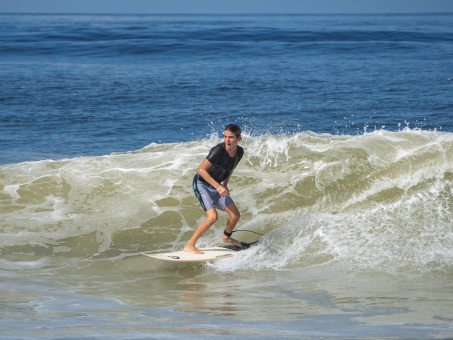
pixel 231 240
pixel 192 249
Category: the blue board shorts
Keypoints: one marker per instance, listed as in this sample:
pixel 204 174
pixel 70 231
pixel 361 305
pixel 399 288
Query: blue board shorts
pixel 208 196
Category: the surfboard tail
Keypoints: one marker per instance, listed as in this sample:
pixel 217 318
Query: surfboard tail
pixel 244 245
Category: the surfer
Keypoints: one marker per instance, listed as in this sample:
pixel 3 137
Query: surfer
pixel 210 186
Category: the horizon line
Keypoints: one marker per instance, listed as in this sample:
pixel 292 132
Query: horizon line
pixel 228 13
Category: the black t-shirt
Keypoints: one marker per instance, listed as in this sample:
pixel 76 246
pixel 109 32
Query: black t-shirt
pixel 222 164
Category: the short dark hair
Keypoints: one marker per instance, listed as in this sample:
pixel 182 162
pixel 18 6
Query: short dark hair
pixel 235 129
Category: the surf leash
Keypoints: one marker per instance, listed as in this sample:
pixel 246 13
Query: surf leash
pixel 250 231
pixel 244 246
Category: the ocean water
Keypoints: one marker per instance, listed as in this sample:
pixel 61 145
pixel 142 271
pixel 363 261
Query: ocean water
pixel 347 178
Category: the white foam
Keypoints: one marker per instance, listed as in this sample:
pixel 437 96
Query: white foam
pixel 11 190
pixel 15 265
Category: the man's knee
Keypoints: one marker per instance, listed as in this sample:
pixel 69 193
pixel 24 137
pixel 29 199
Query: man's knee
pixel 212 216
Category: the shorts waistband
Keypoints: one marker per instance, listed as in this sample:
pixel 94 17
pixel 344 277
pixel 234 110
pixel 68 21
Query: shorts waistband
pixel 201 179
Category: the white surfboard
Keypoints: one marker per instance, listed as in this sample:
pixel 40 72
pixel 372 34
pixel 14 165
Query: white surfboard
pixel 210 254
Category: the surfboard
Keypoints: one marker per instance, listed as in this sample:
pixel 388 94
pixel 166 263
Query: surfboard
pixel 210 254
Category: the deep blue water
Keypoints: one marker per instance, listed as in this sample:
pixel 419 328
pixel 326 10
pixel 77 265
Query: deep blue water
pixel 78 85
